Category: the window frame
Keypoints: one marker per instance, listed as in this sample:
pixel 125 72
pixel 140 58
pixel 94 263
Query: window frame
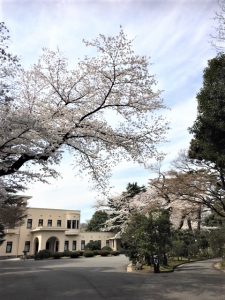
pixel 82 244
pixel 68 224
pixel 49 224
pixel 9 246
pixel 40 222
pixel 29 223
pixel 27 246
pixel 66 245
pixel 74 245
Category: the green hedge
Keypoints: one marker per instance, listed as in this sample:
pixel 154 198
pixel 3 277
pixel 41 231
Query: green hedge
pixel 57 255
pixel 115 253
pixel 75 254
pixel 107 248
pixel 88 253
pixel 104 253
pixel 42 254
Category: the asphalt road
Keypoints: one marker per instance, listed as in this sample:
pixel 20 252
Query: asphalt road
pixel 105 278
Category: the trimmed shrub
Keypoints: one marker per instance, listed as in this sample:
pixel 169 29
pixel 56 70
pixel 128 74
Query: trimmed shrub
pixel 94 245
pixel 107 248
pixel 115 253
pixel 30 256
pixel 97 252
pixel 43 254
pixel 57 255
pixel 75 254
pixel 104 253
pixel 88 253
pixel 67 253
pixel 80 252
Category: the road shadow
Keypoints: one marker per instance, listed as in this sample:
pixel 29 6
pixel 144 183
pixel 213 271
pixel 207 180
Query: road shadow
pixel 58 281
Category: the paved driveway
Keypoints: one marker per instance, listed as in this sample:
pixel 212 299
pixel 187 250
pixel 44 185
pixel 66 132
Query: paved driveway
pixel 105 278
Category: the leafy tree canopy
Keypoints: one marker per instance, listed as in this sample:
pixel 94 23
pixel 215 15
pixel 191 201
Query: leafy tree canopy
pixel 13 210
pixel 209 128
pixel 97 222
pixel 193 186
pixel 147 235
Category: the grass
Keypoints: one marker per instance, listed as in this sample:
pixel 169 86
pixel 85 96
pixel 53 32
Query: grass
pixel 172 264
pixel 222 264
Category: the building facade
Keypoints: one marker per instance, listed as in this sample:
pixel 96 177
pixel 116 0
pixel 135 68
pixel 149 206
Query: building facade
pixel 56 230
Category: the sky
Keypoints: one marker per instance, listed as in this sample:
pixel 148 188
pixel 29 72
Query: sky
pixel 175 34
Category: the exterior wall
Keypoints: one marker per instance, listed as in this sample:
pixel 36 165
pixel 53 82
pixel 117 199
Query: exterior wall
pixel 96 236
pixel 39 236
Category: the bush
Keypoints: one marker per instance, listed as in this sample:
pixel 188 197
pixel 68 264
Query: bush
pixel 223 263
pixel 97 252
pixel 115 253
pixel 94 245
pixel 57 255
pixel 80 252
pixel 43 254
pixel 66 253
pixel 88 253
pixel 104 253
pixel 30 256
pixel 107 248
pixel 75 254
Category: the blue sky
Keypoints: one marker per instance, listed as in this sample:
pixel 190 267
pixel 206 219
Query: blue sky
pixel 174 33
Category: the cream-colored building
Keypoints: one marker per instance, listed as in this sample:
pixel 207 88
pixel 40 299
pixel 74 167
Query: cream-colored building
pixel 54 229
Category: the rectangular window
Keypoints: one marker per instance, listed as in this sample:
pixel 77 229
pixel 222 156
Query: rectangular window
pixel 40 222
pixel 66 246
pixel 49 223
pixel 77 224
pixel 74 224
pixel 9 247
pixel 27 246
pixel 74 245
pixel 100 244
pixel 82 244
pixel 59 223
pixel 68 223
pixel 107 243
pixel 29 223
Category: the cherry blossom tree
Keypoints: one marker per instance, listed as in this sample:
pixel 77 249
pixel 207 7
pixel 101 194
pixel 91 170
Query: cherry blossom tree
pixel 218 39
pixel 103 109
pixel 9 65
pixel 9 69
pixel 122 207
pixel 190 189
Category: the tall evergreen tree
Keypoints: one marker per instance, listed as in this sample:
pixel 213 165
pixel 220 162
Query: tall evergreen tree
pixel 209 128
pixel 208 144
pixel 97 221
pixel 133 189
pixel 13 210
